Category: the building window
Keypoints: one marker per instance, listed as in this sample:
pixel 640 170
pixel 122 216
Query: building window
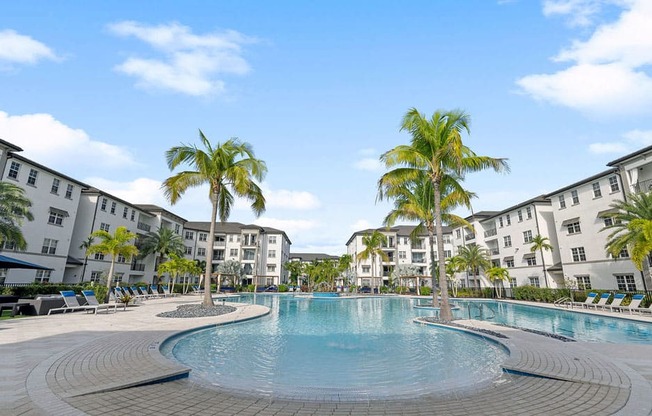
pixel 366 269
pixel 527 236
pixel 447 239
pixel 49 246
pixel 201 252
pixel 190 235
pixel 55 218
pixel 177 228
pixel 624 254
pixel 55 186
pixel 402 255
pixel 133 214
pixel 125 212
pixel 233 252
pixel 562 202
pixel 203 236
pixel 512 282
pixel 528 213
pixel 9 245
pixel 69 189
pixel 578 254
pixel 188 251
pixel 531 260
pixel 105 227
pixel 608 222
pixel 271 268
pixel 575 197
pixel 626 282
pixel 117 277
pixel 458 234
pixel 113 205
pixel 99 256
pixel 448 254
pixel 520 215
pixel 574 228
pixel 500 222
pixel 507 240
pixel 509 263
pixel 272 239
pixel 583 282
pixel 42 276
pixel 121 259
pixel 13 170
pixel 31 179
pixel 597 193
pixel 613 184
pixel 534 281
pixel 271 254
pixel 96 275
pixel 103 206
pixel 508 220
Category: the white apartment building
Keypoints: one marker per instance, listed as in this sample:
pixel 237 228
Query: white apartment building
pixel 400 249
pixel 261 251
pixel 67 211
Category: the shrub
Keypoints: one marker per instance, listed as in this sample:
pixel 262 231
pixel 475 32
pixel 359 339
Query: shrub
pixel 251 288
pixel 401 289
pixel 283 288
pixel 425 290
pixel 384 289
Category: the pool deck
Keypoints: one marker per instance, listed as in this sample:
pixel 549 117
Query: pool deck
pixel 107 364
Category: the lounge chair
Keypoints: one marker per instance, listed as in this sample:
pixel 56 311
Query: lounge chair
pixel 155 292
pixel 604 298
pixel 166 291
pixel 615 304
pixel 144 291
pixel 634 304
pixel 197 290
pixel 139 293
pixel 89 295
pixel 589 300
pixel 71 303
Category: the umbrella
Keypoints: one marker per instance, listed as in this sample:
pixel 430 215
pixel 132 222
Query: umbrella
pixel 11 263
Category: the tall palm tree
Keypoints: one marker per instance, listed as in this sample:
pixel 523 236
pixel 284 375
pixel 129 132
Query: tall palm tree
pixel 413 201
pixel 497 274
pixel 163 242
pixel 436 149
pixel 14 209
pixel 541 244
pixel 229 169
pixel 174 267
pixel 373 249
pixel 631 229
pixel 295 268
pixel 120 243
pixel 85 245
pixel 474 258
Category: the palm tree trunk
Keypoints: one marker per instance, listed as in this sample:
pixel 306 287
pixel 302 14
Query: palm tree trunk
pixel 109 279
pixel 543 263
pixel 445 313
pixel 208 298
pixel 433 271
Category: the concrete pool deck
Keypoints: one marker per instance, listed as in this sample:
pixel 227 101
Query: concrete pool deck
pixel 107 364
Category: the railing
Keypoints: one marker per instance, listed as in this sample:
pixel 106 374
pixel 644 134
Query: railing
pixel 138 267
pixel 143 226
pixel 418 259
pixel 418 246
pixel 469 237
pixel 219 244
pixel 490 233
pixel 643 186
pixel 494 251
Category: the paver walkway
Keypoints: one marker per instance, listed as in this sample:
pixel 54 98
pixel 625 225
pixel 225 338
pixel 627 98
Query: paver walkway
pixel 99 365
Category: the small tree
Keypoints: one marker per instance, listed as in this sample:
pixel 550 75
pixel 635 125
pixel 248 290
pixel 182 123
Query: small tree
pixel 14 209
pixel 497 274
pixel 373 248
pixel 296 269
pixel 541 244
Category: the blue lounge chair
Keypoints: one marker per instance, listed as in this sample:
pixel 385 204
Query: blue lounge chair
pixel 91 300
pixel 71 303
pixel 634 304
pixel 589 300
pixel 602 302
pixel 615 304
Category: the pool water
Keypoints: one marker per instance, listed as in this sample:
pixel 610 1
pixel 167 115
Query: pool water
pixel 338 349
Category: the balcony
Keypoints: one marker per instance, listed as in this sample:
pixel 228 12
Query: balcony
pixel 642 186
pixel 490 233
pixel 138 267
pixel 418 246
pixel 494 251
pixel 469 237
pixel 144 227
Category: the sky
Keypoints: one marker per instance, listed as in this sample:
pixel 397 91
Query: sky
pixel 100 90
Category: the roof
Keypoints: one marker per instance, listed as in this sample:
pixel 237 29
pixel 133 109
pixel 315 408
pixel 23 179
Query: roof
pixel 47 169
pixel 231 228
pixel 310 257
pixel 583 181
pixel 630 156
pixel 12 147
pixel 156 208
pixel 400 230
pixel 540 199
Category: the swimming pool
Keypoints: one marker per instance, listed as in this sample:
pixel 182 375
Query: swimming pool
pixel 577 325
pixel 338 349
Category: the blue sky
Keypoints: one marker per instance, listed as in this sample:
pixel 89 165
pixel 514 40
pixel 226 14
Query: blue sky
pixel 100 91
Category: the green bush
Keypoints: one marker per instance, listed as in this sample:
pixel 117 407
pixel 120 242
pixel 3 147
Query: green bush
pixel 251 288
pixel 425 290
pixel 384 289
pixel 540 294
pixel 283 288
pixel 401 289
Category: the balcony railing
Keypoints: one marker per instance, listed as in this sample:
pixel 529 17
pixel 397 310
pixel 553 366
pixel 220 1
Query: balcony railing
pixel 138 267
pixel 643 186
pixel 143 226
pixel 469 237
pixel 490 233
pixel 494 251
pixel 420 246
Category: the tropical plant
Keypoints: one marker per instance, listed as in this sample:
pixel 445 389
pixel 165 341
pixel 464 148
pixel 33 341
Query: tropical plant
pixel 163 242
pixel 120 243
pixel 373 249
pixel 473 258
pixel 84 246
pixel 326 271
pixel 229 169
pixel 176 266
pixel 541 244
pixel 403 271
pixel 344 268
pixel 436 149
pixel 413 201
pixel 14 209
pixel 296 269
pixel 231 270
pixel 497 274
pixel 631 230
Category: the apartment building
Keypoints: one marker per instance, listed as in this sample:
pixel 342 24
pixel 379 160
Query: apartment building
pixel 401 249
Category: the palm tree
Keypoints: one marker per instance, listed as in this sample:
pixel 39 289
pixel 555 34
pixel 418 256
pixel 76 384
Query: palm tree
pixel 436 149
pixel 474 258
pixel 413 202
pixel 229 169
pixel 117 244
pixel 631 230
pixel 175 266
pixel 344 265
pixel 497 274
pixel 163 242
pixel 373 249
pixel 85 246
pixel 14 209
pixel 540 243
pixel 296 268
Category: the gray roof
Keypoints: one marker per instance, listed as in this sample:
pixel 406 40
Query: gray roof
pixel 47 169
pixel 629 156
pixel 310 257
pixel 12 147
pixel 400 230
pixel 156 208
pixel 583 181
pixel 231 228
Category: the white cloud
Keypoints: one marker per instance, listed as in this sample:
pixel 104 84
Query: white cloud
pixel 283 198
pixel 22 49
pixel 332 249
pixel 608 74
pixel 633 140
pixel 361 225
pixel 291 227
pixel 190 63
pixel 50 142
pixel 138 191
pixel 579 12
pixel 369 164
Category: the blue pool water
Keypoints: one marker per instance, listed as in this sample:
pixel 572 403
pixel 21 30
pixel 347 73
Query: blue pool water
pixel 580 326
pixel 349 349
